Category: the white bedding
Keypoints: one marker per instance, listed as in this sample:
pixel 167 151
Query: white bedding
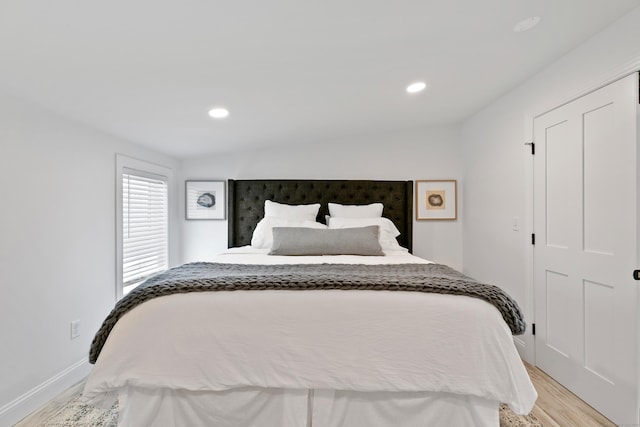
pixel 354 341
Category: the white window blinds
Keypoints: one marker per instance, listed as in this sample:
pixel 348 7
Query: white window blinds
pixel 144 225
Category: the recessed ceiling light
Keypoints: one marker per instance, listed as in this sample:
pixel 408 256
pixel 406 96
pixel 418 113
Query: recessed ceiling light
pixel 416 87
pixel 218 113
pixel 526 24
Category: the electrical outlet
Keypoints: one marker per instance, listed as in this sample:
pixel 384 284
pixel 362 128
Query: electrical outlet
pixel 75 328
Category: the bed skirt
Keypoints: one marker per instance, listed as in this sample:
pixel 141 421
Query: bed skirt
pixel 255 407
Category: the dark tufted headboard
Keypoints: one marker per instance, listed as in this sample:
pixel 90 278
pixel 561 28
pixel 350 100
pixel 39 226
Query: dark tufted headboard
pixel 247 197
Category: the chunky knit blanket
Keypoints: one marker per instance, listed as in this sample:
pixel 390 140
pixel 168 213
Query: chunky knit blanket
pixel 201 277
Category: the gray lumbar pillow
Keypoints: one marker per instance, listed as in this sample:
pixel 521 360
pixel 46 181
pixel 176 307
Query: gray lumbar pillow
pixel 312 241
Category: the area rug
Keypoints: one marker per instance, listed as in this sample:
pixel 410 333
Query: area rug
pixel 77 414
pixel 509 419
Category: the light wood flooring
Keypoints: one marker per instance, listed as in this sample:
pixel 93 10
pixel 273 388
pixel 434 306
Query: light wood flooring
pixel 556 406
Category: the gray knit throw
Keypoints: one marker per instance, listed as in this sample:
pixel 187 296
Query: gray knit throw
pixel 201 277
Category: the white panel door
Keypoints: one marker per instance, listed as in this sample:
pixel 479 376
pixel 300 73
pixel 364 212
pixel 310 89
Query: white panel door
pixel 585 217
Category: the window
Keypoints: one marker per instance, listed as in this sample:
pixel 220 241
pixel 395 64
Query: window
pixel 143 222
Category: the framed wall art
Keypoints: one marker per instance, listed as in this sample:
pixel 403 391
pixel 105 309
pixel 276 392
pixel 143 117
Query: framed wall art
pixel 436 200
pixel 205 200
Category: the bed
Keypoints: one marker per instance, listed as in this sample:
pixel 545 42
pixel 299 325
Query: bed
pixel 335 340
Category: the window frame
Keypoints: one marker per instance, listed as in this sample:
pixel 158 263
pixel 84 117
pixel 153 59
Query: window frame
pixel 123 163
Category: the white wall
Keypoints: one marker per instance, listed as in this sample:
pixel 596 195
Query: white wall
pixel 497 166
pixel 432 154
pixel 57 249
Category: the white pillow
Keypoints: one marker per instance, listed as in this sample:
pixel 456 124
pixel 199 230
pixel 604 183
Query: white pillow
pixel 373 210
pixel 388 230
pixel 263 234
pixel 293 212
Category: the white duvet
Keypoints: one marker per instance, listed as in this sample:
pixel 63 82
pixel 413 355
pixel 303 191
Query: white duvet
pixel 330 339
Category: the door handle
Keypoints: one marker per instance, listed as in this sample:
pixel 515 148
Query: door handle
pixel 636 274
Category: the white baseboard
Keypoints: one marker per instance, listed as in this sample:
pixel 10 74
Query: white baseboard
pixel 35 398
pixel 520 344
pixel 525 346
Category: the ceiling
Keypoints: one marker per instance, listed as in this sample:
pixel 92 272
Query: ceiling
pixel 289 71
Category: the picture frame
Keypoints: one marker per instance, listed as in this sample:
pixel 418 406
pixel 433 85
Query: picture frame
pixel 205 199
pixel 436 199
